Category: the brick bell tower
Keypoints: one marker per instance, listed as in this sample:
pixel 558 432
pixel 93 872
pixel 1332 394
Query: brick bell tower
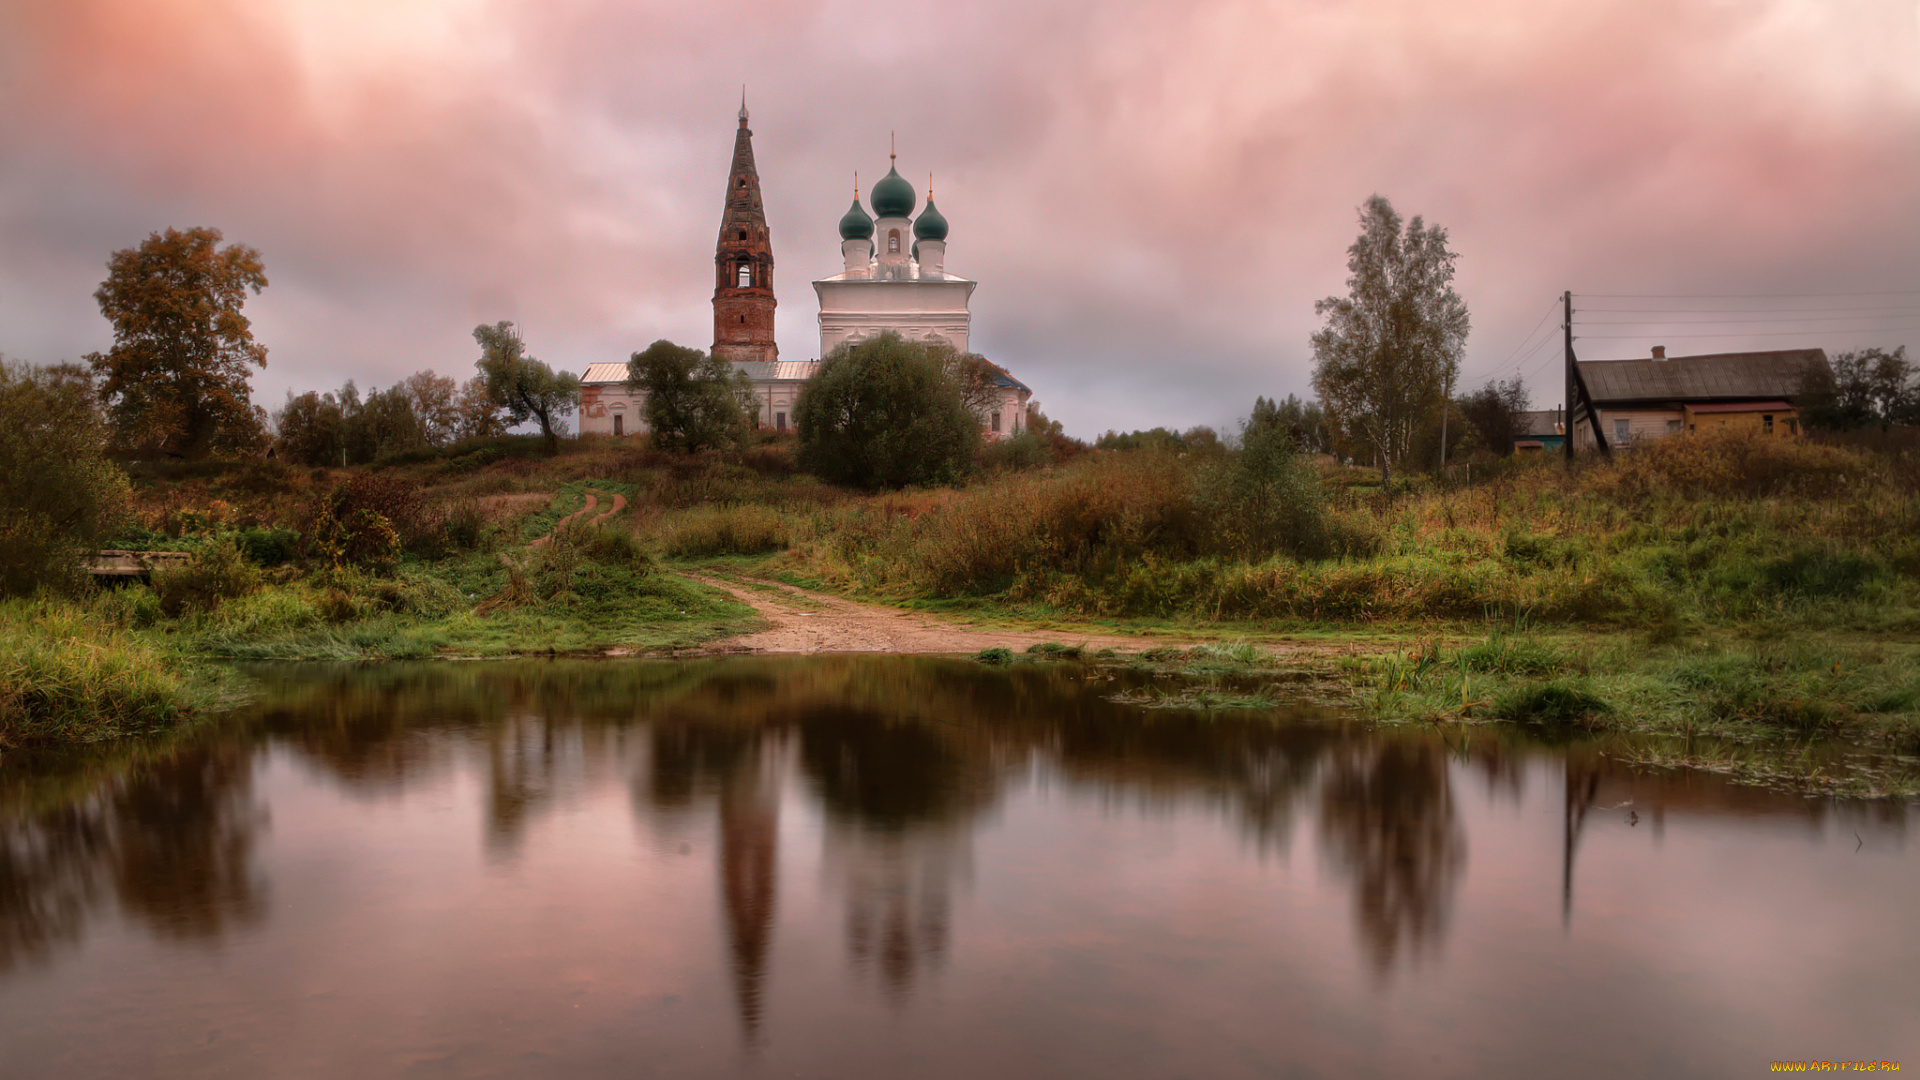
pixel 743 263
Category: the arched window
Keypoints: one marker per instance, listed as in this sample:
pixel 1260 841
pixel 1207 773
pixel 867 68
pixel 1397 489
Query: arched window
pixel 893 241
pixel 746 276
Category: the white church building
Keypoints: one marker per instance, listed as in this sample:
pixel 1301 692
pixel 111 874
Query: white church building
pixel 894 280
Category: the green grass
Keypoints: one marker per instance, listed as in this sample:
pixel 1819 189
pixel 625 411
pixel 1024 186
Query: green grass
pixel 68 676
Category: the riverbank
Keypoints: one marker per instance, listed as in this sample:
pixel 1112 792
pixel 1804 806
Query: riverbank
pixel 1751 594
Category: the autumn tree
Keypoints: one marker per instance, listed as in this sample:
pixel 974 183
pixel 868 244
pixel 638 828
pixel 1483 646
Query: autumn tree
pixel 885 413
pixel 59 495
pixel 1495 411
pixel 175 380
pixel 1868 388
pixel 1303 422
pixel 436 407
pixel 476 415
pixel 1390 348
pixel 694 401
pixel 521 386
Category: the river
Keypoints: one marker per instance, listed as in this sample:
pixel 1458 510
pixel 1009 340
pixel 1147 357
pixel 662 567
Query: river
pixel 863 866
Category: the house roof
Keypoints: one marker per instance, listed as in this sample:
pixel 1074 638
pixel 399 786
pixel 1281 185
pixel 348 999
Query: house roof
pixel 1741 406
pixel 1716 377
pixel 1536 422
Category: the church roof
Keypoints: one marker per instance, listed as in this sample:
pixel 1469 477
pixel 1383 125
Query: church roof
pixel 893 196
pixel 931 224
pixel 855 224
pixel 778 370
pixel 605 373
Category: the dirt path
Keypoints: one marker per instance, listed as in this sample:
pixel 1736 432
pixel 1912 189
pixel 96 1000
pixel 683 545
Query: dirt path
pixel 593 500
pixel 811 622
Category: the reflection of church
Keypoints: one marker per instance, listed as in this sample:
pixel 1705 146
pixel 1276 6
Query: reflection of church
pixel 894 280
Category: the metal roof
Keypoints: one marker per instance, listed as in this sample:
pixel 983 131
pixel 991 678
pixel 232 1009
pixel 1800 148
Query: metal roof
pixel 757 370
pixel 605 373
pixel 1716 377
pixel 778 370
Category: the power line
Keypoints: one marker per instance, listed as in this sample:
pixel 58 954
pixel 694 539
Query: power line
pixel 1502 365
pixel 1750 333
pixel 1742 296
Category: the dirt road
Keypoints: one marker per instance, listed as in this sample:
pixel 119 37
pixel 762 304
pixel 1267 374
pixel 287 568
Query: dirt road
pixel 810 622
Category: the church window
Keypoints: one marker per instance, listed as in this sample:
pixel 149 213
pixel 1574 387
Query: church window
pixel 746 276
pixel 616 424
pixel 780 421
pixel 893 241
pixel 743 234
pixel 996 419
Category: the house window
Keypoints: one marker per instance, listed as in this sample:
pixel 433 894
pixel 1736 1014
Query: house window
pixel 1622 430
pixel 1766 423
pixel 996 419
pixel 893 241
pixel 746 276
pixel 1793 426
pixel 1673 427
pixel 779 421
pixel 617 418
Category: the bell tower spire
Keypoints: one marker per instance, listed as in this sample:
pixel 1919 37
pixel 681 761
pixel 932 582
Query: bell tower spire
pixel 743 300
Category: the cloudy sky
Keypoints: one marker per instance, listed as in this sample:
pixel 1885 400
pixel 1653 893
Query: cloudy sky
pixel 1151 193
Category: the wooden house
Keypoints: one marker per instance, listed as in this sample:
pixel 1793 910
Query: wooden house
pixel 1632 401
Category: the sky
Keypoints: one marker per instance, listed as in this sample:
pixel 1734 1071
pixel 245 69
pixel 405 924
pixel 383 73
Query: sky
pixel 1152 194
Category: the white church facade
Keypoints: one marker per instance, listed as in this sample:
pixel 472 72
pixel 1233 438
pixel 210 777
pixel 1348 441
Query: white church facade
pixel 894 279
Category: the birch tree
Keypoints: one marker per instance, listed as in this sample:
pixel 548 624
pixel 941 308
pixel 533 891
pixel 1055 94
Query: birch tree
pixel 1390 348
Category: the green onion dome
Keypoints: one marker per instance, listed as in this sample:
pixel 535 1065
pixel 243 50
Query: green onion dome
pixel 893 196
pixel 856 225
pixel 931 224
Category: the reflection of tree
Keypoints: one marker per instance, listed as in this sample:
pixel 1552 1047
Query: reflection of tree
pixel 1387 817
pixel 901 795
pixel 172 840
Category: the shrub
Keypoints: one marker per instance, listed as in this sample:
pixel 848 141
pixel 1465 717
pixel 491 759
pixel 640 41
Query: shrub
pixel 1264 499
pixel 1018 453
pixel 267 547
pixel 996 655
pixel 723 530
pixel 216 573
pixel 58 493
pixel 617 545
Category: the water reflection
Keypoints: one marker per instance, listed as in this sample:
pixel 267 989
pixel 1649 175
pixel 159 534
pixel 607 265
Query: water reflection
pixel 891 770
pixel 1387 815
pixel 173 842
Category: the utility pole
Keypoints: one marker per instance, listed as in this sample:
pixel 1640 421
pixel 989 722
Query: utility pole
pixel 1566 300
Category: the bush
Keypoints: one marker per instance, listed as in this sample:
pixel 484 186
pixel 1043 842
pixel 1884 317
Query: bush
pixel 1265 500
pixel 267 547
pixel 1019 453
pixel 216 573
pixel 59 496
pixel 885 413
pixel 616 544
pixel 723 530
